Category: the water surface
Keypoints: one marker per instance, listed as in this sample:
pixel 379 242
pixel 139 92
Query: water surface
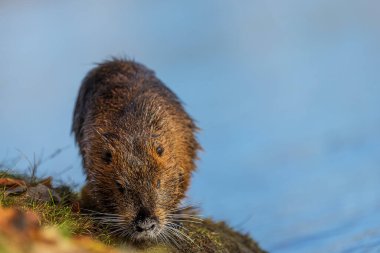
pixel 286 92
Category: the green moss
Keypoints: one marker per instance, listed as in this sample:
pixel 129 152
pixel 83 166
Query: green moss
pixel 210 236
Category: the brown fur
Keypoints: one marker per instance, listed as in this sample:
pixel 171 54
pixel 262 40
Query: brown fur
pixel 124 117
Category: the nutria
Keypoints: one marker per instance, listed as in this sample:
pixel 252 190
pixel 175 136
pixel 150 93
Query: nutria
pixel 138 147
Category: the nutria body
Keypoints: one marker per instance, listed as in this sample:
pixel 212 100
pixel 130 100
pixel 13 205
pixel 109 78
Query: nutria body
pixel 138 147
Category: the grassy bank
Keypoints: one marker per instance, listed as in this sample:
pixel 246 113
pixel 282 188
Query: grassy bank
pixel 36 216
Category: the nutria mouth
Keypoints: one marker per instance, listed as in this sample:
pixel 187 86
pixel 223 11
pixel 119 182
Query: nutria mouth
pixel 138 148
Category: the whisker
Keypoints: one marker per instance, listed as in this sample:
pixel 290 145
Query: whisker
pixel 184 215
pixel 97 212
pixel 105 217
pixel 177 225
pixel 178 232
pixel 185 221
pixel 184 218
pixel 116 231
pixel 181 208
pixel 162 238
pixel 170 238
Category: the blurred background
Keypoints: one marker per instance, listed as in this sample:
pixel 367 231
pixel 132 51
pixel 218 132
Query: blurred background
pixel 286 93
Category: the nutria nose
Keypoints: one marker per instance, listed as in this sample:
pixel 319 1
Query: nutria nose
pixel 146 225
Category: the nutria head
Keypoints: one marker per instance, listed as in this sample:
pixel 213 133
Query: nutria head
pixel 135 180
pixel 138 147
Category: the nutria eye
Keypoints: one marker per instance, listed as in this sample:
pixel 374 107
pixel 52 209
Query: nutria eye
pixel 158 184
pixel 160 150
pixel 120 187
pixel 107 157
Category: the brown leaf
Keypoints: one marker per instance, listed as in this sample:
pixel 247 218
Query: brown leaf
pixel 14 221
pixel 10 182
pixel 47 182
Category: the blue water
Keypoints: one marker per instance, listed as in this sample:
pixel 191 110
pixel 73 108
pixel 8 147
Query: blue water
pixel 287 94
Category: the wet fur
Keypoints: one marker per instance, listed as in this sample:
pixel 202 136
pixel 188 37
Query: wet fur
pixel 122 115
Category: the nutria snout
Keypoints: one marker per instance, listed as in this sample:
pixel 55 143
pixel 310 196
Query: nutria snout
pixel 138 147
